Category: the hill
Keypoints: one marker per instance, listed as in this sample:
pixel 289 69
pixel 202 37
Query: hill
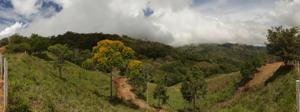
pixel 35 86
pixel 38 88
pixel 278 95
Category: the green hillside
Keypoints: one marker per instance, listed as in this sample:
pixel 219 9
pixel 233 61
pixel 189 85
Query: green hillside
pixel 35 86
pixel 279 95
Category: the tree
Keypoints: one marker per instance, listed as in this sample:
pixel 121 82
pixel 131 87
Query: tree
pixel 136 77
pixel 249 68
pixel 38 44
pixel 111 56
pixel 194 88
pixel 147 72
pixel 18 43
pixel 61 52
pixel 160 92
pixel 284 43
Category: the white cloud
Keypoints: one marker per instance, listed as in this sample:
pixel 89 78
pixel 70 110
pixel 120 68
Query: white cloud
pixel 25 7
pixel 11 30
pixel 174 22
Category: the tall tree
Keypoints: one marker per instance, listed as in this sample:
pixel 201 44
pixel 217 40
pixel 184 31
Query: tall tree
pixel 61 52
pixel 284 43
pixel 194 88
pixel 112 56
pixel 160 92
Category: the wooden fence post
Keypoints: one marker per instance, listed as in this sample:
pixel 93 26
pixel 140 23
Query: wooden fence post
pixel 298 95
pixel 5 69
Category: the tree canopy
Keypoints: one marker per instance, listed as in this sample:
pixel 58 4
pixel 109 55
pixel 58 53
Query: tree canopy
pixel 112 54
pixel 284 43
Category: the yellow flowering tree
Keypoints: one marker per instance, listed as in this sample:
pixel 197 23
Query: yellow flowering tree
pixel 112 55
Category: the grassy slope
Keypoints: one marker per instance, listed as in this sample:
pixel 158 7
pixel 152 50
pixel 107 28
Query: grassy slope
pixel 220 87
pixel 34 85
pixel 277 96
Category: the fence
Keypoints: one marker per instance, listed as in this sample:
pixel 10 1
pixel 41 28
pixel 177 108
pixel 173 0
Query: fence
pixel 4 77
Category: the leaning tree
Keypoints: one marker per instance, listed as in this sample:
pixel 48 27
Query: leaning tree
pixel 284 43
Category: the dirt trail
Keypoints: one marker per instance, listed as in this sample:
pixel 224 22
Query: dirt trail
pixel 125 92
pixel 263 74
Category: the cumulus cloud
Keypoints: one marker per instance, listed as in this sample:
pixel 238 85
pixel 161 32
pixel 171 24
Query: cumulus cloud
pixel 25 7
pixel 11 30
pixel 174 22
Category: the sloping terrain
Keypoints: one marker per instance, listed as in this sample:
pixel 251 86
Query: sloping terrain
pixel 263 74
pixel 277 96
pixel 259 79
pixel 34 85
pixel 125 92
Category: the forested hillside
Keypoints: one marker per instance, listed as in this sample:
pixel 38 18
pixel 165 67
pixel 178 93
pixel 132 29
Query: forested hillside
pixel 76 72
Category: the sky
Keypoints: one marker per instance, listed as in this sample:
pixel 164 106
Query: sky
pixel 173 22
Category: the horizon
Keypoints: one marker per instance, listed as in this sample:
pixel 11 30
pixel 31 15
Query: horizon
pixel 172 22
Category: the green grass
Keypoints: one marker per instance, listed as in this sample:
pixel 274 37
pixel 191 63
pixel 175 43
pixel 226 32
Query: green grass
pixel 34 85
pixel 220 88
pixel 277 96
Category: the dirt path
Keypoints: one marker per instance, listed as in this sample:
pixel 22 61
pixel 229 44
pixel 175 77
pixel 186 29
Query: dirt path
pixel 263 74
pixel 125 92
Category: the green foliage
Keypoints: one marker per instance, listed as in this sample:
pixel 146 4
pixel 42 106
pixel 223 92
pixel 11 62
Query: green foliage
pixel 160 92
pixel 4 42
pixel 175 71
pixel 217 58
pixel 194 88
pixel 78 56
pixel 18 43
pixel 62 52
pixel 284 43
pixel 249 68
pixel 36 88
pixel 38 44
pixel 136 78
pixel 277 96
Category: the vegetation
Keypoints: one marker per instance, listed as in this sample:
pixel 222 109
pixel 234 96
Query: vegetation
pixel 160 92
pixel 136 77
pixel 61 52
pixel 194 89
pixel 37 88
pixel 284 43
pixel 112 56
pixel 249 68
pixel 201 77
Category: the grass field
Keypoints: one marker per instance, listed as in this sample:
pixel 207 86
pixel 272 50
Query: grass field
pixel 34 85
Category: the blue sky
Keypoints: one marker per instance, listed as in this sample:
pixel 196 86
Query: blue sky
pixel 174 22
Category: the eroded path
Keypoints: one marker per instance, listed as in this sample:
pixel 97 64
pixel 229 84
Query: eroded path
pixel 263 74
pixel 125 92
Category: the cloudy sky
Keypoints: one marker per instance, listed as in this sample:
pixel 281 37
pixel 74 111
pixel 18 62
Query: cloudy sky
pixel 173 22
